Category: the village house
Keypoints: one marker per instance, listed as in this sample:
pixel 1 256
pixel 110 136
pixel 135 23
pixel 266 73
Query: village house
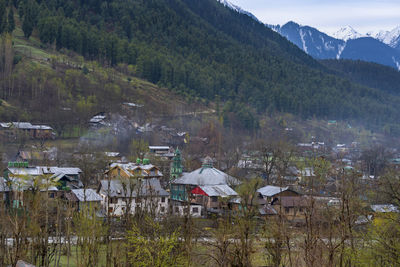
pixel 210 196
pixel 81 198
pixel 64 177
pixel 292 207
pixel 163 151
pixel 122 195
pixel 12 130
pixel 282 200
pixel 139 169
pixel 270 192
pixel 204 177
pixel 14 188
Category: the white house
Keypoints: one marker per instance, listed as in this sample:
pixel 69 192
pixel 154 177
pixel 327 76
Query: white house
pixel 143 194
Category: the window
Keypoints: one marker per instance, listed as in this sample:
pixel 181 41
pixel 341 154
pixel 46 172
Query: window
pixel 287 210
pixel 195 210
pixel 51 195
pixel 301 209
pixel 214 199
pixel 113 200
pixel 176 209
pixel 163 199
pixel 162 209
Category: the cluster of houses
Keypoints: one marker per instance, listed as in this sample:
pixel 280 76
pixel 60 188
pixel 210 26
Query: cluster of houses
pixel 140 186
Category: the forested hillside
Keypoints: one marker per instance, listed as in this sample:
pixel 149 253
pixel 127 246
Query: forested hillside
pixel 196 48
pixel 369 74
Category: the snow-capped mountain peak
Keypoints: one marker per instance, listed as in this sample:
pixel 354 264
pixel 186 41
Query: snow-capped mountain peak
pixel 391 38
pixel 237 8
pixel 347 33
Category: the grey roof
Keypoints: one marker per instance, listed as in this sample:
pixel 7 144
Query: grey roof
pixel 267 210
pixel 385 208
pixel 221 190
pixel 40 170
pixel 133 104
pixel 97 119
pixel 206 176
pixel 118 188
pixel 90 194
pixel 24 125
pixel 270 190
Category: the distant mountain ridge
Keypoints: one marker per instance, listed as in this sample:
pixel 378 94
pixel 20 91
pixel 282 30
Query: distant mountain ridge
pixel 391 38
pixel 347 43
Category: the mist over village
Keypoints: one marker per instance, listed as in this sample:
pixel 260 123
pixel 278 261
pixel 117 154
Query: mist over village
pixel 199 133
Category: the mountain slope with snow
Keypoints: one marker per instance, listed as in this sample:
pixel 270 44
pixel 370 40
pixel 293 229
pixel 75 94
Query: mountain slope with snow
pixel 391 38
pixel 347 33
pixel 347 43
pixel 310 40
pixel 237 9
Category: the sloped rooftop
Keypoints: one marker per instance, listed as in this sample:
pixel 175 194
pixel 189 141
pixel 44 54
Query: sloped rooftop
pixel 90 194
pixel 206 176
pixel 148 187
pixel 222 190
pixel 270 190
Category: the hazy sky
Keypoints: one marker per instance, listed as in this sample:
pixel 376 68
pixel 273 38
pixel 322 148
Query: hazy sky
pixel 327 15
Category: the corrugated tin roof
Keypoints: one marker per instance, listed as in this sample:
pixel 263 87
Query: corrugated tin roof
pixel 133 104
pixel 385 208
pixel 112 154
pixel 206 176
pixel 90 194
pixel 65 170
pixel 270 190
pixel 222 190
pixel 148 187
pixel 25 171
pixel 267 210
pixel 97 118
pixel 5 124
pixel 40 170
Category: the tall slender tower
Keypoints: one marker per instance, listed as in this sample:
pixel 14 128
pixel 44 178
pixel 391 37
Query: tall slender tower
pixel 176 168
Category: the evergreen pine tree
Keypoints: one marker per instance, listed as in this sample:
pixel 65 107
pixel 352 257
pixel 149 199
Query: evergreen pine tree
pixel 30 10
pixel 27 26
pixel 3 19
pixel 11 22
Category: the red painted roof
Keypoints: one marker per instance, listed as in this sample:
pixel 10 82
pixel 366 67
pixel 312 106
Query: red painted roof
pixel 199 191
